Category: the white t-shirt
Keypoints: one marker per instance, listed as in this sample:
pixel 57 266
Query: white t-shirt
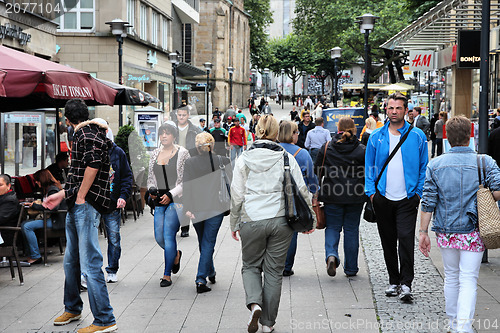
pixel 395 188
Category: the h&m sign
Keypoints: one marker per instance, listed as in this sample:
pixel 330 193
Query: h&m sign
pixel 422 60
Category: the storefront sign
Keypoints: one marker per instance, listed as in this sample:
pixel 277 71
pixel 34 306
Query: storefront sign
pixel 152 59
pixel 422 60
pixel 21 118
pixel 185 87
pixel 139 78
pixel 445 58
pixel 332 117
pixel 64 91
pixel 14 32
pixel 469 48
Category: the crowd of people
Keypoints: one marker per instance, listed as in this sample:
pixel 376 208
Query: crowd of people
pixel 199 174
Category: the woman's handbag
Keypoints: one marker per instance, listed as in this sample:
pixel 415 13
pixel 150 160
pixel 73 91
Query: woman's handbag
pixel 319 209
pixel 369 213
pixel 488 214
pixel 225 187
pixel 297 212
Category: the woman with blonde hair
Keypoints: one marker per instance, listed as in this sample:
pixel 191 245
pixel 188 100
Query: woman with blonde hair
pixel 370 125
pixel 258 215
pixel 343 193
pixel 203 190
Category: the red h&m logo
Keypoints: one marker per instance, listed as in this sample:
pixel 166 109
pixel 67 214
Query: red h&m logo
pixel 418 60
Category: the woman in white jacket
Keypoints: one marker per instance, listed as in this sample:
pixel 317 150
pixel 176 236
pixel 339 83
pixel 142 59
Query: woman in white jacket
pixel 258 215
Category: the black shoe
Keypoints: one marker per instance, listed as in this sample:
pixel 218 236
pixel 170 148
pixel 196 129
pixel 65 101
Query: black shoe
pixel 288 273
pixel 185 233
pixel 202 288
pixel 351 274
pixel 36 262
pixel 212 278
pixel 176 267
pixel 331 266
pixel 165 283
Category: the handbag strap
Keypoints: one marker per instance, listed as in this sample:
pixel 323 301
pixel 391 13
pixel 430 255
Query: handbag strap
pixel 323 163
pixel 393 153
pixel 165 176
pixel 211 159
pixel 480 167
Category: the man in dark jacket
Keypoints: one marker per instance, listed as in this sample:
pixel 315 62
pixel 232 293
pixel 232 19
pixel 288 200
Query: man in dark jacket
pixel 9 207
pixel 88 196
pixel 220 137
pixel 59 169
pixel 305 126
pixel 186 138
pixel 120 178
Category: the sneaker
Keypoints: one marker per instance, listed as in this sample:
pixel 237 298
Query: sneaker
pixel 392 290
pixel 112 278
pixel 83 282
pixel 98 329
pixel 405 294
pixel 253 323
pixel 267 329
pixel 66 318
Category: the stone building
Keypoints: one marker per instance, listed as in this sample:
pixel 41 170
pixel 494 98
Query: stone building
pixel 223 39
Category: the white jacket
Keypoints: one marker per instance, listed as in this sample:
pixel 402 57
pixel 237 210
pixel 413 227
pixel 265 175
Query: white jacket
pixel 257 186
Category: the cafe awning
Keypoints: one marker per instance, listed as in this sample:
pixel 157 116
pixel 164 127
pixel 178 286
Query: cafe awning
pixel 438 28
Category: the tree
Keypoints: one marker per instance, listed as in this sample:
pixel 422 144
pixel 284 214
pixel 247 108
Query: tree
pixel 260 17
pixel 293 54
pixel 417 8
pixel 331 23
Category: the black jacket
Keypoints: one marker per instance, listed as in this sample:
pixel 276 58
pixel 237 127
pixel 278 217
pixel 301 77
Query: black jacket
pixel 201 186
pixel 192 132
pixel 494 145
pixel 58 219
pixel 9 213
pixel 121 176
pixel 303 129
pixel 344 171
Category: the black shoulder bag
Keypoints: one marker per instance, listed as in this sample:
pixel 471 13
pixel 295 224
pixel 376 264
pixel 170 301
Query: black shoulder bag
pixel 369 213
pixel 297 212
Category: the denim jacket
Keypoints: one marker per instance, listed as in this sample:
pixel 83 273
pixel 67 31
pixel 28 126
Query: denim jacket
pixel 451 183
pixel 413 151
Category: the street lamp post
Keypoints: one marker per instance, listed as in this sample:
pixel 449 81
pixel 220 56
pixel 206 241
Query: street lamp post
pixel 174 59
pixel 366 23
pixel 119 30
pixel 282 89
pixel 208 67
pixel 266 73
pixel 304 73
pixel 335 54
pixel 231 71
pixel 254 78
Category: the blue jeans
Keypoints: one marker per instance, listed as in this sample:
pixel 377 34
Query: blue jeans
pixel 166 221
pixel 314 153
pixel 83 254
pixel 338 218
pixel 28 229
pixel 235 152
pixel 290 256
pixel 112 223
pixel 207 235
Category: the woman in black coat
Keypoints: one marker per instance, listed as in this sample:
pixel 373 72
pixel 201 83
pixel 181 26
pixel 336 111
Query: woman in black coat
pixel 342 191
pixel 206 201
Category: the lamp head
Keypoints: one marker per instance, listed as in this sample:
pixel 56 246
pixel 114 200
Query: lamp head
pixel 266 71
pixel 304 73
pixel 230 70
pixel 335 52
pixel 254 71
pixel 118 27
pixel 208 66
pixel 173 57
pixel 323 73
pixel 366 21
pixel 282 71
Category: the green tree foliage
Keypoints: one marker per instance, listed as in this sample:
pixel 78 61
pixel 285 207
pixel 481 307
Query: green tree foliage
pixel 417 8
pixel 330 23
pixel 261 18
pixel 293 54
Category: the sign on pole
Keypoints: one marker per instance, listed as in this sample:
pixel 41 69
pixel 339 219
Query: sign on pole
pixel 422 60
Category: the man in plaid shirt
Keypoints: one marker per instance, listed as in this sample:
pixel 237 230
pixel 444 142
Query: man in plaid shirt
pixel 88 196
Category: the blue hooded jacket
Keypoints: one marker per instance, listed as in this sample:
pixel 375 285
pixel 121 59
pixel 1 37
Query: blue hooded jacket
pixel 120 176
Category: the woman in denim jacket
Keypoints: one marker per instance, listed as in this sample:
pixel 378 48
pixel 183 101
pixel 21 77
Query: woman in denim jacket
pixel 450 193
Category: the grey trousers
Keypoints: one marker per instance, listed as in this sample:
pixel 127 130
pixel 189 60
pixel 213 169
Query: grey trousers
pixel 264 247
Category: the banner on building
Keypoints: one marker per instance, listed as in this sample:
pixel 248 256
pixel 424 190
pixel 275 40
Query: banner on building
pixel 422 60
pixel 469 49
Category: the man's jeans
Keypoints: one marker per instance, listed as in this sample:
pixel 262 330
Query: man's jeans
pixel 112 223
pixel 314 153
pixel 83 253
pixel 166 224
pixel 344 218
pixel 207 235
pixel 28 228
pixel 235 152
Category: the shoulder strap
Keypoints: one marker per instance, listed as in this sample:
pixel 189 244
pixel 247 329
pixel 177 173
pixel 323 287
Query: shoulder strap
pixel 211 160
pixel 394 151
pixel 285 158
pixel 297 152
pixel 323 163
pixel 165 176
pixel 478 169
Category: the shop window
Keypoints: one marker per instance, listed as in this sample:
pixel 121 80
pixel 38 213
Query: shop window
pixel 79 16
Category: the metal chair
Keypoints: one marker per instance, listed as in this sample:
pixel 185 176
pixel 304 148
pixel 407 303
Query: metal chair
pixel 52 233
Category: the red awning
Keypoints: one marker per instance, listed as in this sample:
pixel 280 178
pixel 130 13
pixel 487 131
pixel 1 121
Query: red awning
pixel 28 81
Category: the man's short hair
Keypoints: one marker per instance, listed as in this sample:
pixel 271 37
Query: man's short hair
pixel 397 96
pixel 61 156
pixel 458 130
pixel 418 109
pixel 6 178
pixel 236 119
pixel 319 121
pixel 76 111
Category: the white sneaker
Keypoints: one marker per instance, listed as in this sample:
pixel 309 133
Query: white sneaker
pixel 392 290
pixel 112 278
pixel 267 329
pixel 253 323
pixel 405 294
pixel 84 281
